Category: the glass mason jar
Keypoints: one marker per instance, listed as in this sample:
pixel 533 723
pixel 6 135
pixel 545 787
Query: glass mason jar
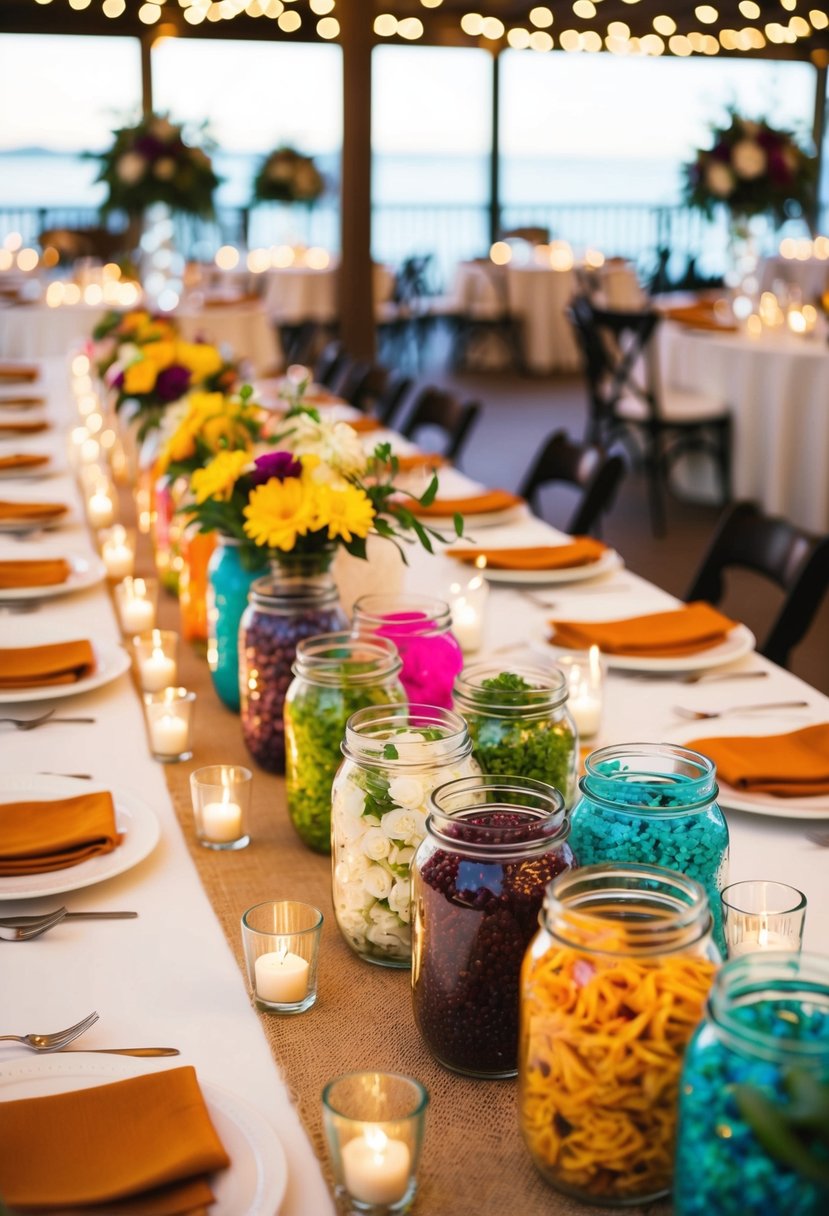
pixel 754 1095
pixel 197 549
pixel 297 600
pixel 519 723
pixel 231 571
pixel 394 757
pixel 421 628
pixel 492 846
pixel 654 804
pixel 611 990
pixel 335 674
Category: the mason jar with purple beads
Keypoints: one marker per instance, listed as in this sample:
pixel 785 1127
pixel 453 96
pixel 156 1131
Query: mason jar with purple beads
pixel 421 628
pixel 492 845
pixel 284 608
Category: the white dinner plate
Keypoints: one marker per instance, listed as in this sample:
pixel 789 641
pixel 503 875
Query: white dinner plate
pixel 609 561
pixel 816 807
pixel 110 662
pixel 740 641
pixel 33 472
pixel 137 822
pixel 255 1182
pixel 85 572
pixel 486 519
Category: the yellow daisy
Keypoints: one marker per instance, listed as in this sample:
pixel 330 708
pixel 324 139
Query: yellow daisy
pixel 199 358
pixel 278 512
pixel 346 513
pixel 217 479
pixel 140 377
pixel 160 354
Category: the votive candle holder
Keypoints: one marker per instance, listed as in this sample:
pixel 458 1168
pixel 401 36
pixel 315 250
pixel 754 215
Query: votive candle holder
pixel 281 941
pixel 136 600
pixel 169 717
pixel 156 653
pixel 221 805
pixel 760 914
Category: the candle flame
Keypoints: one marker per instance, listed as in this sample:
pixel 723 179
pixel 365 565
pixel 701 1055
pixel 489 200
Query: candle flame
pixel 139 590
pixel 595 665
pixel 377 1140
pixel 763 933
pixel 480 562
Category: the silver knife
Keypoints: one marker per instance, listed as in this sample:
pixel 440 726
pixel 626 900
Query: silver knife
pixel 20 922
pixel 125 1051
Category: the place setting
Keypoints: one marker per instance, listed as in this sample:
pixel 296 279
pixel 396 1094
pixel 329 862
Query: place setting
pixel 64 668
pixel 37 579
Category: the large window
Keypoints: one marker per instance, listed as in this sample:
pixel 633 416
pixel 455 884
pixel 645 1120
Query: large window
pixel 61 97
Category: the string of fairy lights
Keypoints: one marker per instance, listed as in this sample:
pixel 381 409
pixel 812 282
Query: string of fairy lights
pixel 541 30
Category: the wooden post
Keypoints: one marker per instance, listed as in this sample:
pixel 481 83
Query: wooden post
pixel 495 152
pixel 821 61
pixel 146 43
pixel 355 285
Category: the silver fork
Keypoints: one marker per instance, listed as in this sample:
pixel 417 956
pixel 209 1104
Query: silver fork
pixel 24 931
pixel 56 1040
pixel 43 720
pixel 706 677
pixel 700 714
pixel 535 598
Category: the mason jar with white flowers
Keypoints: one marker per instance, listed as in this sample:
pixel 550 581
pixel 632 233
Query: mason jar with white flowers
pixel 394 757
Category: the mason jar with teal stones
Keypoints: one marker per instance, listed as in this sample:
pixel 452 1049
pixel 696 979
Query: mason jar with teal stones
pixel 231 571
pixel 753 1137
pixel 335 674
pixel 655 804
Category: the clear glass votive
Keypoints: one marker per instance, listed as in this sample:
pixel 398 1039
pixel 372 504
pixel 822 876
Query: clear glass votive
pixel 467 602
pixel 117 546
pixel 136 600
pixel 156 659
pixel 761 914
pixel 374 1123
pixel 169 720
pixel 221 805
pixel 584 672
pixel 281 940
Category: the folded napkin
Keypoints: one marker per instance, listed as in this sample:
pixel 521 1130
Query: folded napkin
pixel 475 504
pixel 687 630
pixel 23 427
pixel 408 461
pixel 38 837
pixel 33 572
pixel 31 510
pixel 18 371
pixel 581 551
pixel 789 766
pixel 699 316
pixel 41 666
pixel 23 400
pixel 364 425
pixel 22 460
pixel 147 1141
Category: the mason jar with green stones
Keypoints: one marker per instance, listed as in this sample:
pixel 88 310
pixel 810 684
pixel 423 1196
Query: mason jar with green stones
pixel 335 674
pixel 519 723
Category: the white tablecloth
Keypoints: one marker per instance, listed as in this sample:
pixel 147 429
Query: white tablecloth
pixel 35 331
pixel 245 328
pixel 778 391
pixel 169 977
pixel 810 276
pixel 294 294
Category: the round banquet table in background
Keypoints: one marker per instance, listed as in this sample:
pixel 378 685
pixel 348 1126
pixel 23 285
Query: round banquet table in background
pixel 36 331
pixel 810 276
pixel 245 328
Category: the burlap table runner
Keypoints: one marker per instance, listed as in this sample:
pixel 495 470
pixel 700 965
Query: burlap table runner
pixel 474 1162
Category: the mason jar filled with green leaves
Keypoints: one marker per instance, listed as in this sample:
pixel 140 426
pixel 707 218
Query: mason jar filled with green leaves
pixel 519 723
pixel 335 674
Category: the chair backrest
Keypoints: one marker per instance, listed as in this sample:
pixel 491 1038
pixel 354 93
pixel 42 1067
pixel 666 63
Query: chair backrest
pixel 588 468
pixel 390 401
pixel 411 283
pixel 615 347
pixel 437 408
pixel 364 385
pixel 790 557
pixel 331 358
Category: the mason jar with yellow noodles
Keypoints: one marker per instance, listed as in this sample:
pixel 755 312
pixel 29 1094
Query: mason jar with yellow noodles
pixel 612 987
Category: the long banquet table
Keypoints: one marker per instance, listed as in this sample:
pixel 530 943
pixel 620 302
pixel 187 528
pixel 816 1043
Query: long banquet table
pixel 173 977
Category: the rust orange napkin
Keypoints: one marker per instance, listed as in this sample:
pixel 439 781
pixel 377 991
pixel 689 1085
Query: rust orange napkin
pixel 792 765
pixel 21 400
pixel 687 630
pixel 701 315
pixel 18 371
pixel 33 572
pixel 31 510
pixel 408 461
pixel 475 504
pixel 581 551
pixel 22 427
pixel 38 837
pixel 42 666
pixel 22 460
pixel 147 1141
pixel 364 425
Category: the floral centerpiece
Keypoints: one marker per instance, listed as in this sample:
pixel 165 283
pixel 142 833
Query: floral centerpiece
pixel 751 169
pixel 205 425
pixel 153 163
pixel 286 176
pixel 135 327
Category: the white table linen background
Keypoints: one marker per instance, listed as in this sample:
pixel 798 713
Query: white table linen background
pixel 169 977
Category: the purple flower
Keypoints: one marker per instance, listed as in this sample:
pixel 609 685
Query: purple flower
pixel 172 383
pixel 275 464
pixel 117 380
pixel 149 146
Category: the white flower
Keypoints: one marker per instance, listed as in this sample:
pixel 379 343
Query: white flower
pixel 350 828
pixel 400 857
pixel 336 444
pixel 404 824
pixel 352 924
pixel 399 899
pixel 719 179
pixel 375 844
pixel 165 168
pixel 130 167
pixel 749 159
pixel 406 791
pixel 352 798
pixel 378 882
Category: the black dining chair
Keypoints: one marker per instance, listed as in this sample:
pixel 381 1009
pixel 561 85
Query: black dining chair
pixel 438 409
pixel 627 400
pixel 392 398
pixel 793 559
pixel 330 363
pixel 587 469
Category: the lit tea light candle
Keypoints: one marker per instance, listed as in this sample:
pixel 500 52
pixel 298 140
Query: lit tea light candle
pixel 756 935
pixel 375 1168
pixel 468 604
pixel 222 821
pixel 137 615
pixel 157 669
pixel 100 509
pixel 119 559
pixel 281 977
pixel 169 734
pixel 585 696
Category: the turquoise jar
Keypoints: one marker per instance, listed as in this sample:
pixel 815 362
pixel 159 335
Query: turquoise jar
pixel 655 804
pixel 229 580
pixel 753 1136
